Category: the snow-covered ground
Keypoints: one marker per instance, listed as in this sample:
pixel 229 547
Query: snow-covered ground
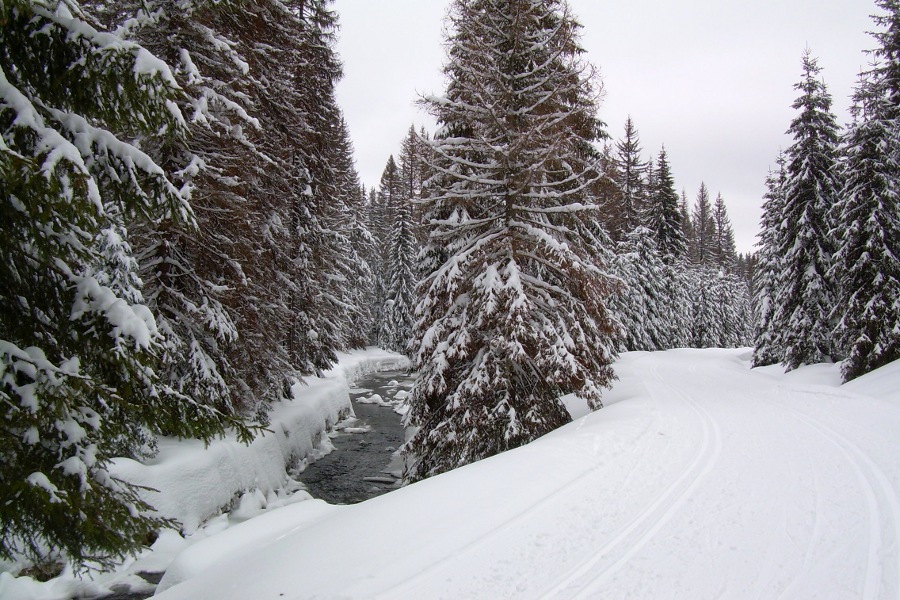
pixel 700 479
pixel 194 483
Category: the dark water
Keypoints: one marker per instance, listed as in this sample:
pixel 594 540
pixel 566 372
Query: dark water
pixel 363 465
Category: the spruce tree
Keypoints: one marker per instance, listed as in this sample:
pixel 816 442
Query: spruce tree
pixel 401 266
pixel 382 216
pixel 724 254
pixel 688 227
pixel 766 349
pixel 77 346
pixel 642 305
pixel 704 229
pixel 663 216
pixel 702 290
pixel 196 276
pixel 867 224
pixel 805 296
pixel 359 285
pixel 515 316
pixel 631 175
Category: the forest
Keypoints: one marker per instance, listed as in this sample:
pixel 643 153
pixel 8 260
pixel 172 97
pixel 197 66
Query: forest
pixel 184 236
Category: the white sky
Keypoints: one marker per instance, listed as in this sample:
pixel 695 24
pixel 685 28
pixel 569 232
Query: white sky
pixel 711 79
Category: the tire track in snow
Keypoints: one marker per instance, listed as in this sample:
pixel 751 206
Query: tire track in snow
pixel 581 581
pixel 878 490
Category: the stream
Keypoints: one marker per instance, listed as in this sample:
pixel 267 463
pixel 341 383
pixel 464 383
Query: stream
pixel 363 464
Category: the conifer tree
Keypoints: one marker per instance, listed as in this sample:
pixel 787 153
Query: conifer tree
pixel 704 229
pixel 357 284
pixel 805 296
pixel 688 227
pixel 382 215
pixel 196 276
pixel 866 265
pixel 515 316
pixel 766 345
pixel 724 254
pixel 401 266
pixel 663 216
pixel 676 305
pixel 704 307
pixel 641 306
pixel 400 298
pixel 327 310
pixel 77 377
pixel 631 174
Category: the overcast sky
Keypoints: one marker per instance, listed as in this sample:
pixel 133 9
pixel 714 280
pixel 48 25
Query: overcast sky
pixel 711 79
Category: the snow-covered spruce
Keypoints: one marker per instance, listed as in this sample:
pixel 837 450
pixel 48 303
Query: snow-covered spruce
pixel 866 265
pixel 642 304
pixel 768 269
pixel 514 315
pixel 77 378
pixel 662 215
pixel 804 295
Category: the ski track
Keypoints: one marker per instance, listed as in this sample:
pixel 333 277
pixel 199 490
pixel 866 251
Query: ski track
pixel 582 581
pixel 555 495
pixel 881 500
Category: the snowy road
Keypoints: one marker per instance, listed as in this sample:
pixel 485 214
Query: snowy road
pixel 701 479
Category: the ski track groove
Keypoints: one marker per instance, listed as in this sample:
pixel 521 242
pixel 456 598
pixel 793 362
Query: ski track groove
pixel 681 489
pixel 873 480
pixel 555 495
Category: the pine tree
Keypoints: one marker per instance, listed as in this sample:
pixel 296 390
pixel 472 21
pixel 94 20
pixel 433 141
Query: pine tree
pixel 676 305
pixel 515 315
pixel 195 277
pixel 400 298
pixel 356 284
pixel 804 299
pixel 688 227
pixel 327 308
pixel 766 345
pixel 867 221
pixel 702 283
pixel 663 216
pixel 77 375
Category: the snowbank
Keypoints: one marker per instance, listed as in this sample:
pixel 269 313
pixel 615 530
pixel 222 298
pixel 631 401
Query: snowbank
pixel 194 483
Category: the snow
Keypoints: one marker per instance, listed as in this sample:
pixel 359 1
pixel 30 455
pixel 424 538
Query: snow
pixel 701 478
pixel 194 484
